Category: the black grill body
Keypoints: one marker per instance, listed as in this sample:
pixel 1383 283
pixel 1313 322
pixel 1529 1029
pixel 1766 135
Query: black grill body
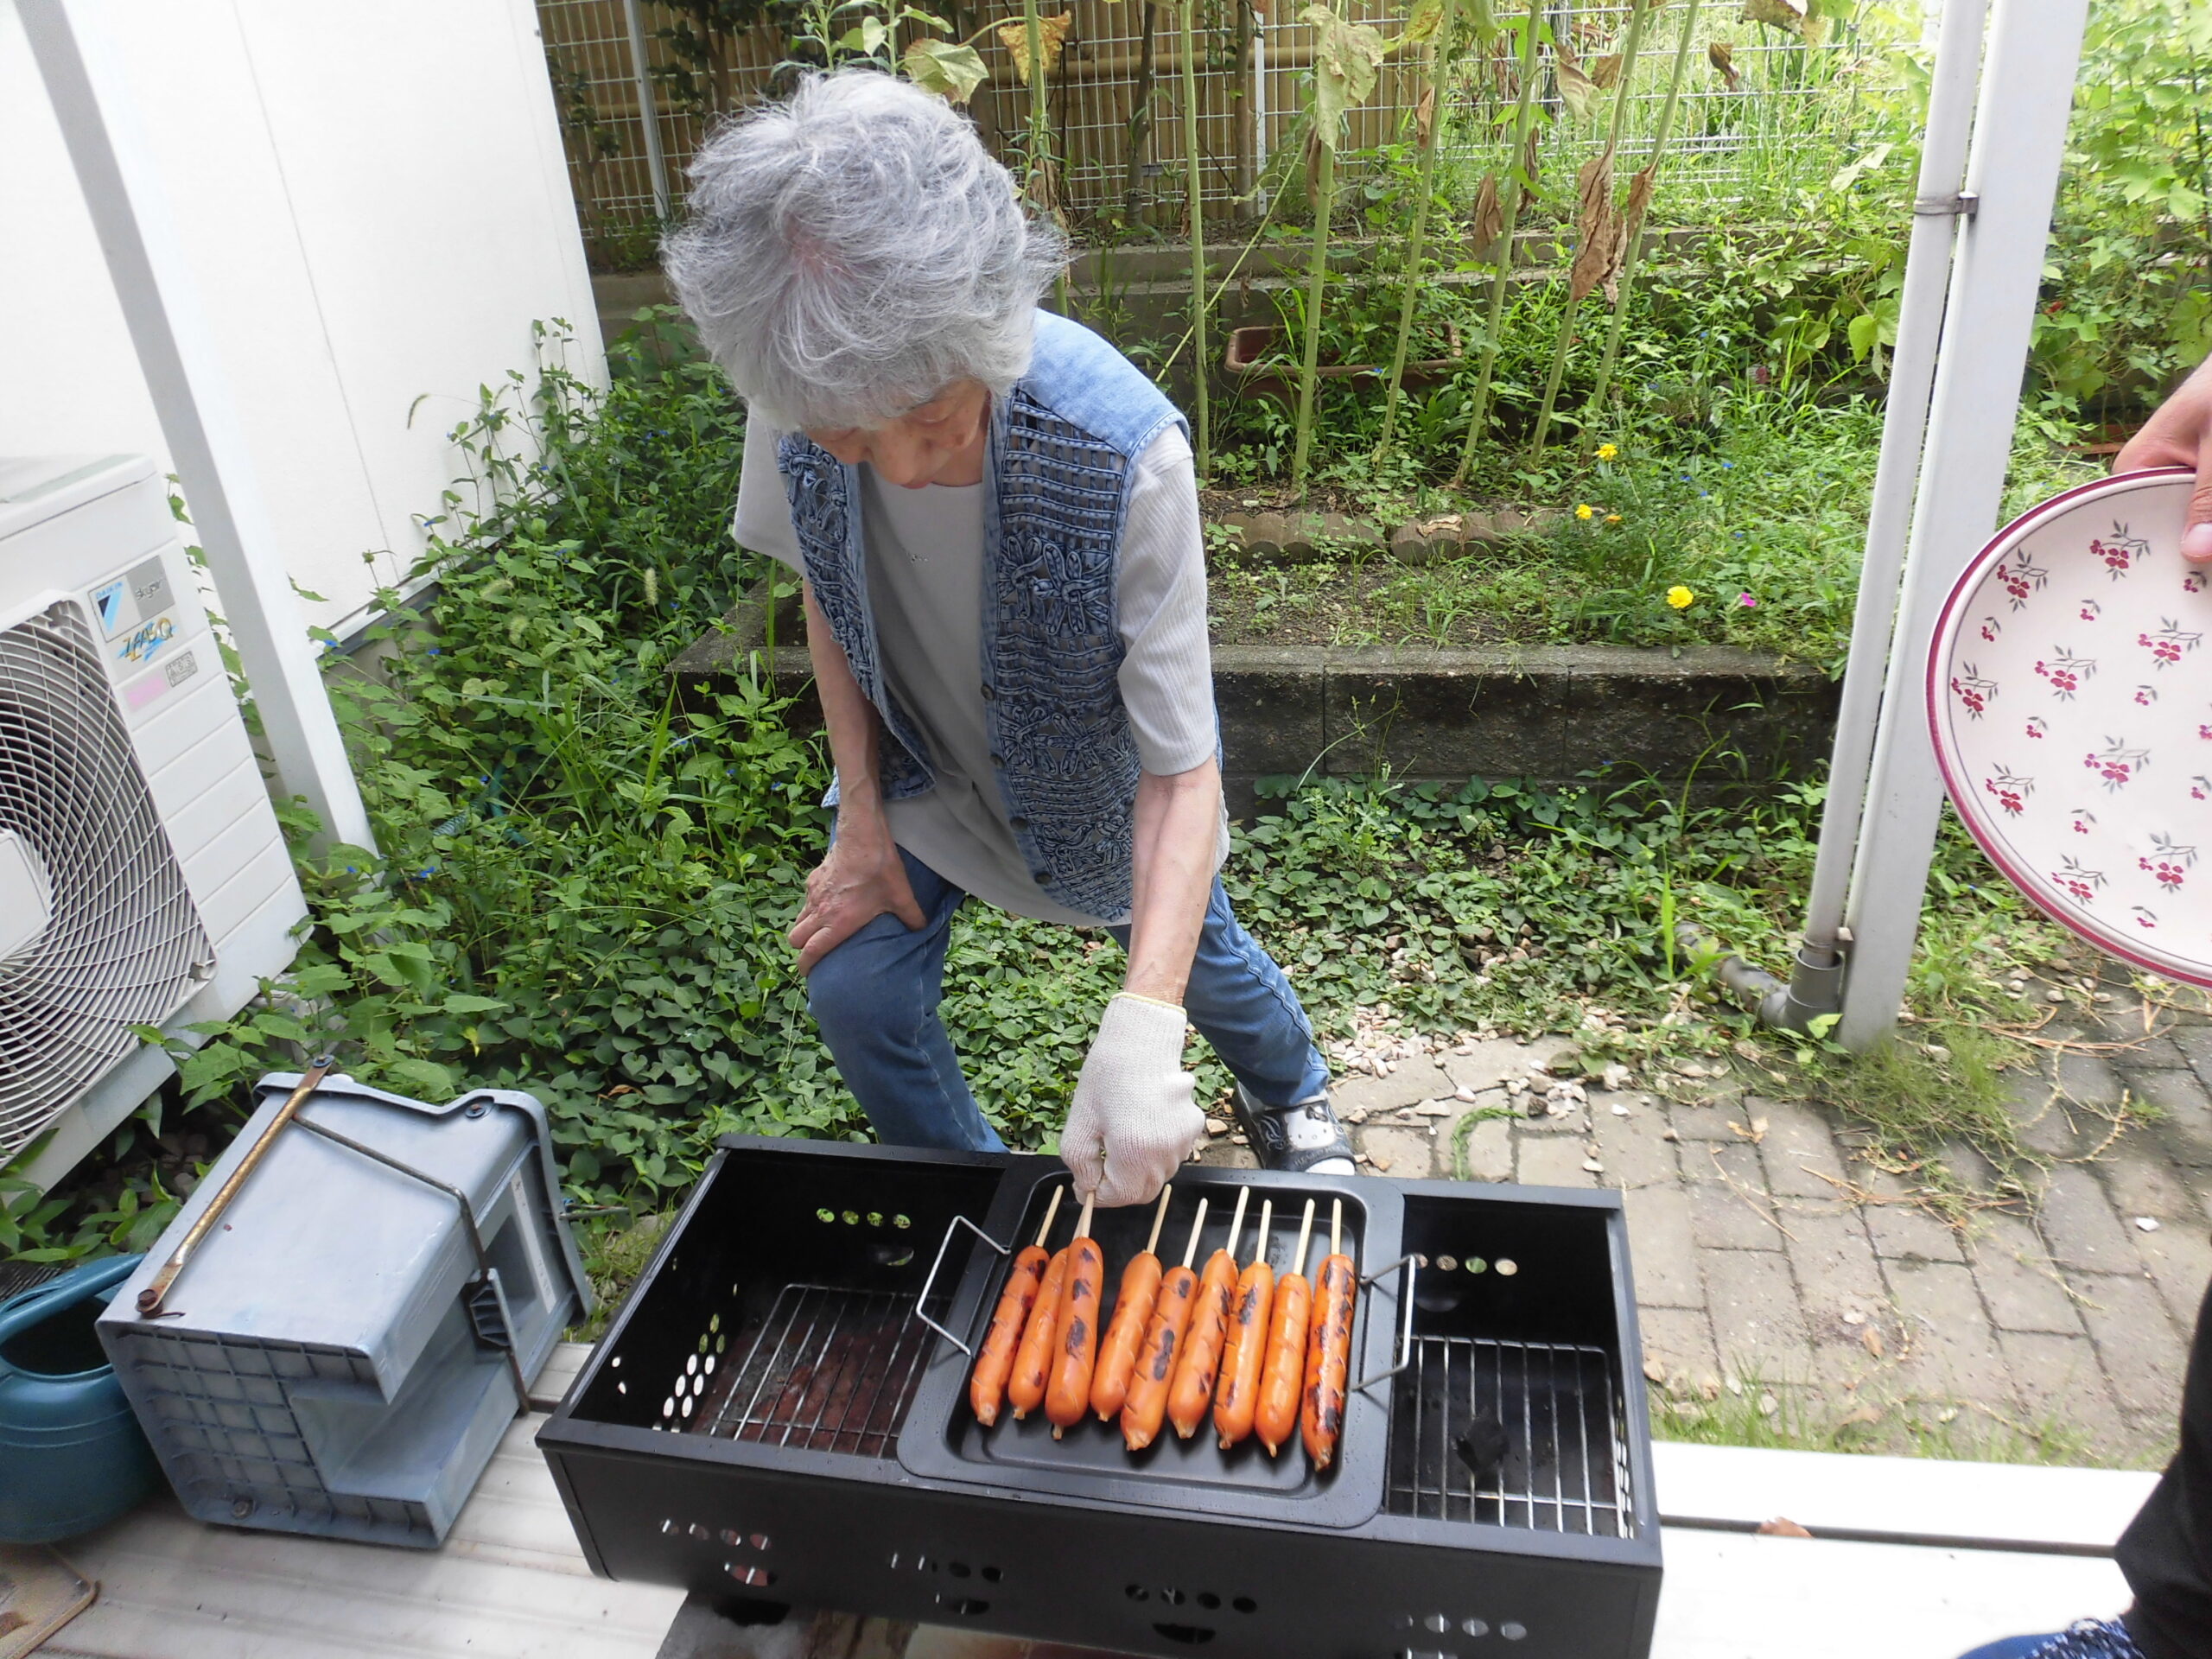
pixel 775 1418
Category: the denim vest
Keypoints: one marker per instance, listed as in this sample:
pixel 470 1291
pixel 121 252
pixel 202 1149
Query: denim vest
pixel 1061 456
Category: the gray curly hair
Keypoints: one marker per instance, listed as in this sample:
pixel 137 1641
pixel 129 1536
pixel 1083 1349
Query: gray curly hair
pixel 853 251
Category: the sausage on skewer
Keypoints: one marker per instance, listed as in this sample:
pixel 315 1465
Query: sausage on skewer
pixel 1276 1419
pixel 1146 1405
pixel 1118 1354
pixel 1328 1348
pixel 1247 1347
pixel 1191 1392
pixel 995 1365
pixel 1075 1334
pixel 1032 1361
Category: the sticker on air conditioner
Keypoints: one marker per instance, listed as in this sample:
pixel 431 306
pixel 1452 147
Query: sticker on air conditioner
pixel 108 605
pixel 144 642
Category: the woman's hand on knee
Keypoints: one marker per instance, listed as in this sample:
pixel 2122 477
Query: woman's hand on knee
pixel 857 882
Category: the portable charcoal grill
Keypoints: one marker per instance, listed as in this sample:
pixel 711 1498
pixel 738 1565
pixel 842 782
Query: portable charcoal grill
pixel 779 1417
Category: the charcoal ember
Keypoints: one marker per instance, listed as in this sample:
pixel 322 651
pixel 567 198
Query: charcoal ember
pixel 1482 1444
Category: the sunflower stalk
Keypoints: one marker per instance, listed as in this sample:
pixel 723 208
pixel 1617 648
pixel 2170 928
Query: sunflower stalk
pixel 1202 365
pixel 1439 71
pixel 1037 184
pixel 1645 180
pixel 1598 228
pixel 1520 185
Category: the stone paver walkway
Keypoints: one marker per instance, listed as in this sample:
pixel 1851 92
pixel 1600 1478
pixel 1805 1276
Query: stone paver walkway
pixel 1770 1255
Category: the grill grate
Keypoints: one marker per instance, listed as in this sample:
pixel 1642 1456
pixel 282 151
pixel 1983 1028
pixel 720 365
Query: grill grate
pixel 1553 1407
pixel 832 1371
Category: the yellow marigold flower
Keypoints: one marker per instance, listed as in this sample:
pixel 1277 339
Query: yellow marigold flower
pixel 1612 517
pixel 1584 511
pixel 1681 597
pixel 1607 452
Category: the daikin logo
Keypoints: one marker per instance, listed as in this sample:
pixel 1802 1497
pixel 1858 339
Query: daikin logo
pixel 108 602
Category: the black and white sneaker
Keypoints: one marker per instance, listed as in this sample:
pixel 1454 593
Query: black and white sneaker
pixel 1303 1138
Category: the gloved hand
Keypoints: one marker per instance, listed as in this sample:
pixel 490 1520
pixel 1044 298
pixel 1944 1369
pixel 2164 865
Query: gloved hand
pixel 1133 1122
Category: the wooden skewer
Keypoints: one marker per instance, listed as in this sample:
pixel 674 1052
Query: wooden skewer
pixel 1197 1226
pixel 1336 1226
pixel 1152 1244
pixel 1051 1211
pixel 1305 1232
pixel 1083 1222
pixel 1237 1225
pixel 1267 1215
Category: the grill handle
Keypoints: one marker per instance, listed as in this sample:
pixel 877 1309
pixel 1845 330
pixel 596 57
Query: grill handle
pixel 1411 1264
pixel 922 1301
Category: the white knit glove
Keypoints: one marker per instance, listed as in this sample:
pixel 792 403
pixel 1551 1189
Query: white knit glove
pixel 1133 1122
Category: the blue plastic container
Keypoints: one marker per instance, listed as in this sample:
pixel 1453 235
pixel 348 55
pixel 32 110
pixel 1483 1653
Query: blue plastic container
pixel 72 1455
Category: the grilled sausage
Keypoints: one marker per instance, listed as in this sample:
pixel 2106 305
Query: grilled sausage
pixel 1075 1336
pixel 1246 1351
pixel 987 1387
pixel 1191 1392
pixel 1146 1404
pixel 1328 1356
pixel 1117 1355
pixel 1033 1362
pixel 1276 1419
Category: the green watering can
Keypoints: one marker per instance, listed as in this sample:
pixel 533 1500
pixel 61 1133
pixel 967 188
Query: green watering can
pixel 71 1456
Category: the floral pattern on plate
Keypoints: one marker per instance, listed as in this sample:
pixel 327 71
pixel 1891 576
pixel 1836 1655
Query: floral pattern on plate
pixel 2072 716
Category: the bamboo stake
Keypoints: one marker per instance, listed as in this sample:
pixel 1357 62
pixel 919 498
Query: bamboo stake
pixel 1201 365
pixel 1659 138
pixel 1564 340
pixel 1440 69
pixel 1325 201
pixel 1522 185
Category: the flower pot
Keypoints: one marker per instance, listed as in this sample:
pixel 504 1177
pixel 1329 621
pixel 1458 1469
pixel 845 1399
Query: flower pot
pixel 1242 356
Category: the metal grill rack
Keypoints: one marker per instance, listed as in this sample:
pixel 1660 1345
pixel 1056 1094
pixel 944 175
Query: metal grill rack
pixel 832 1371
pixel 1565 1463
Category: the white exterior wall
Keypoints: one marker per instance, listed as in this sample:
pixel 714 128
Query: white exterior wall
pixel 373 202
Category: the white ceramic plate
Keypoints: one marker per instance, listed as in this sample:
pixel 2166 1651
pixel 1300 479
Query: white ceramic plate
pixel 2069 695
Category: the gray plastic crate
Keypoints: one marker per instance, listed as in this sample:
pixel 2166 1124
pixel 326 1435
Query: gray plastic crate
pixel 335 1358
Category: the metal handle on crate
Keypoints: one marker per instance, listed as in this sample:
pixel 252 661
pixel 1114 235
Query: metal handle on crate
pixel 1411 1264
pixel 922 1301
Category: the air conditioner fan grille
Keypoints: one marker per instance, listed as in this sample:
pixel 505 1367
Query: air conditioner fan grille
pixel 125 945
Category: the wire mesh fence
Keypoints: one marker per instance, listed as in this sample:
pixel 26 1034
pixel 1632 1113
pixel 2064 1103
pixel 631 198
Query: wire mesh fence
pixel 1761 111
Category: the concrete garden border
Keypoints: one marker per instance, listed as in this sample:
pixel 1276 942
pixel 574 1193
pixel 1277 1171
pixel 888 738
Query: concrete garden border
pixel 1711 714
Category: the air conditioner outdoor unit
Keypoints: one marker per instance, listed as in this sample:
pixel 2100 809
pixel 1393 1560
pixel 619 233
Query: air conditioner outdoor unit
pixel 144 880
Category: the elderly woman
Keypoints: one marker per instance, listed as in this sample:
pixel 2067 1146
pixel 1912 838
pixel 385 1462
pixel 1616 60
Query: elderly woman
pixel 997 522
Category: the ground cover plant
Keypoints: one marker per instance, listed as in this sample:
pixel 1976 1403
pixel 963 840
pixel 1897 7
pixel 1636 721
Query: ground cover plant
pixel 587 869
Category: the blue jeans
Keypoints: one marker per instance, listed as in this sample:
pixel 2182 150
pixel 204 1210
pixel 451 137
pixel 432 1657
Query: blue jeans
pixel 876 997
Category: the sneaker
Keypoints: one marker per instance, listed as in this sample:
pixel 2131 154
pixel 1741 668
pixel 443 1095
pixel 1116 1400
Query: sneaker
pixel 2090 1638
pixel 1303 1138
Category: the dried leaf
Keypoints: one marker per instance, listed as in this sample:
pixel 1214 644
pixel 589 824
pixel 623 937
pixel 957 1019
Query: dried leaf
pixel 1871 1340
pixel 1425 115
pixel 1422 23
pixel 1781 1527
pixel 1860 1415
pixel 1531 162
pixel 1052 35
pixel 1313 168
pixel 1596 230
pixel 1582 94
pixel 953 72
pixel 1778 14
pixel 1755 1132
pixel 1346 58
pixel 1490 219
pixel 1721 54
pixel 1639 197
pixel 1606 71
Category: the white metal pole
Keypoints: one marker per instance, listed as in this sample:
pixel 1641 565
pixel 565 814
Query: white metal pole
pixel 114 166
pixel 2027 93
pixel 648 110
pixel 1912 372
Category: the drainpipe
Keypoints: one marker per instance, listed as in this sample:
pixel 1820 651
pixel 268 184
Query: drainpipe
pixel 1815 986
